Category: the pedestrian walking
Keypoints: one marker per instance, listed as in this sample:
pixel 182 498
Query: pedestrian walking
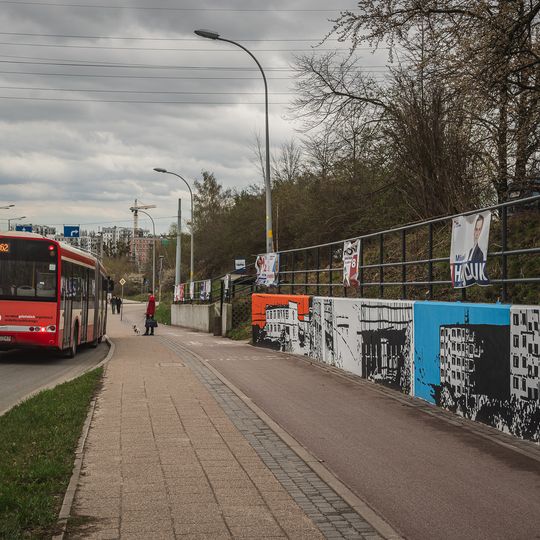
pixel 150 323
pixel 113 304
pixel 118 304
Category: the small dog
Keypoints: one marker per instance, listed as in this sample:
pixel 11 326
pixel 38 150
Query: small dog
pixel 136 330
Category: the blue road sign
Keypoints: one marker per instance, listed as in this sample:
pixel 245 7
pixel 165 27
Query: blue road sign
pixel 23 228
pixel 71 231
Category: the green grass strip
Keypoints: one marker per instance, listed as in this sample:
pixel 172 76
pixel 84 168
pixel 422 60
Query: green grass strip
pixel 38 439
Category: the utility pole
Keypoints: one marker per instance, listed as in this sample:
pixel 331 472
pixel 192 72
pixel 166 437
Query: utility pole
pixel 178 245
pixel 160 274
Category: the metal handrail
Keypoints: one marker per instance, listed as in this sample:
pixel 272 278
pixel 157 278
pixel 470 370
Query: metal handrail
pixel 418 224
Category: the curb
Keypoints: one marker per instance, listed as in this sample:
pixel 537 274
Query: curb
pixel 359 505
pixel 67 503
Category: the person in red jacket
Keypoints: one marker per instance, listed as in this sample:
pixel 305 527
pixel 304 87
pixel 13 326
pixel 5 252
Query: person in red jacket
pixel 150 323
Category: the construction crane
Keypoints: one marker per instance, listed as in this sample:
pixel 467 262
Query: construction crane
pixel 135 208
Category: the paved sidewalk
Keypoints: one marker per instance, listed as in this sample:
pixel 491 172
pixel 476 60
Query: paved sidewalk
pixel 173 453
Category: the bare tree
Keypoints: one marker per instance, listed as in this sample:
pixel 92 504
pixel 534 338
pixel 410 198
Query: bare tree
pixel 287 166
pixel 486 51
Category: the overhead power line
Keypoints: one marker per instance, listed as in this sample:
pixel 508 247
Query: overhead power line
pixel 82 63
pixel 171 77
pixel 156 8
pixel 146 38
pixel 141 101
pixel 139 91
pixel 115 48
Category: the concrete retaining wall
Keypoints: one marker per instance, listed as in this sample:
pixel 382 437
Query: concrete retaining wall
pixel 194 316
pixel 226 319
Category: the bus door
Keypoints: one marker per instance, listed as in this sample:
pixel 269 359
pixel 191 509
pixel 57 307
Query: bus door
pixel 97 296
pixel 84 306
pixel 67 303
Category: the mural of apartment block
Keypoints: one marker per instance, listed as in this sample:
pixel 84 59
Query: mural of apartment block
pixel 283 325
pixel 281 322
pixel 474 361
pixel 525 353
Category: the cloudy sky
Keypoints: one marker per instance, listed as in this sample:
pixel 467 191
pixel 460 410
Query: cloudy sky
pixel 94 96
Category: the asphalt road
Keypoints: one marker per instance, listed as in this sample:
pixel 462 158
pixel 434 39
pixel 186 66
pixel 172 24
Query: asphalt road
pixel 428 478
pixel 24 372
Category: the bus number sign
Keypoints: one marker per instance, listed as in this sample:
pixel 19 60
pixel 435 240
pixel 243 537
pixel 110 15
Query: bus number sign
pixel 4 247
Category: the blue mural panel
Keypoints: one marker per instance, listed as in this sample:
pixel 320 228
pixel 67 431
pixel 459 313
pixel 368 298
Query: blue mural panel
pixel 433 325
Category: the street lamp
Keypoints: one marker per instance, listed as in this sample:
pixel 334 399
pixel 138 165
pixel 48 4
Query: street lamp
pixel 13 219
pixel 160 170
pixel 208 34
pixel 154 247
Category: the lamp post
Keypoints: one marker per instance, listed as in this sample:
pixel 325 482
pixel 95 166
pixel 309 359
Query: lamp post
pixel 208 34
pixel 160 170
pixel 154 247
pixel 13 219
pixel 161 257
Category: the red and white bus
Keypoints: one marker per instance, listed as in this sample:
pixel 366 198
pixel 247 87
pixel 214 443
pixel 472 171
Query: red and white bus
pixel 52 296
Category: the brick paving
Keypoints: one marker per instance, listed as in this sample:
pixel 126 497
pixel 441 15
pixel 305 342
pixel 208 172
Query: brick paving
pixel 172 452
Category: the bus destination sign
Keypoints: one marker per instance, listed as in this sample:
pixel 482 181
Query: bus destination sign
pixel 5 247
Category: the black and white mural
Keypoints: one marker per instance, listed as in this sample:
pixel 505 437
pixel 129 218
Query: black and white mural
pixel 371 338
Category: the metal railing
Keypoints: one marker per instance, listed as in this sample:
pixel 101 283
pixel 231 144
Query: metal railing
pixel 408 262
pixel 412 261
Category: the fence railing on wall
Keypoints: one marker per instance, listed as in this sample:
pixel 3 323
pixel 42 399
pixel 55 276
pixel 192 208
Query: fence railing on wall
pixel 220 289
pixel 407 262
pixel 412 261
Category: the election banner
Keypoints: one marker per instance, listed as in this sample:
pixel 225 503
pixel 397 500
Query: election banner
pixel 468 251
pixel 206 288
pixel 179 293
pixel 267 266
pixel 351 260
pixel 191 290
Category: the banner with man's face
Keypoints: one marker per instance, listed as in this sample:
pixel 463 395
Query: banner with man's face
pixel 351 258
pixel 468 252
pixel 267 266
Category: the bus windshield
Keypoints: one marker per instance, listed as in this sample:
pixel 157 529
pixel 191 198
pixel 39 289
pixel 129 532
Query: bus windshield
pixel 28 270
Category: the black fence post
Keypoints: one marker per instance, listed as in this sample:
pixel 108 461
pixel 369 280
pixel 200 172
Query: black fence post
pixel 293 257
pixel 306 274
pixel 330 254
pixel 318 273
pixel 403 265
pixel 280 266
pixel 504 242
pixel 381 269
pixel 361 267
pixel 430 262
